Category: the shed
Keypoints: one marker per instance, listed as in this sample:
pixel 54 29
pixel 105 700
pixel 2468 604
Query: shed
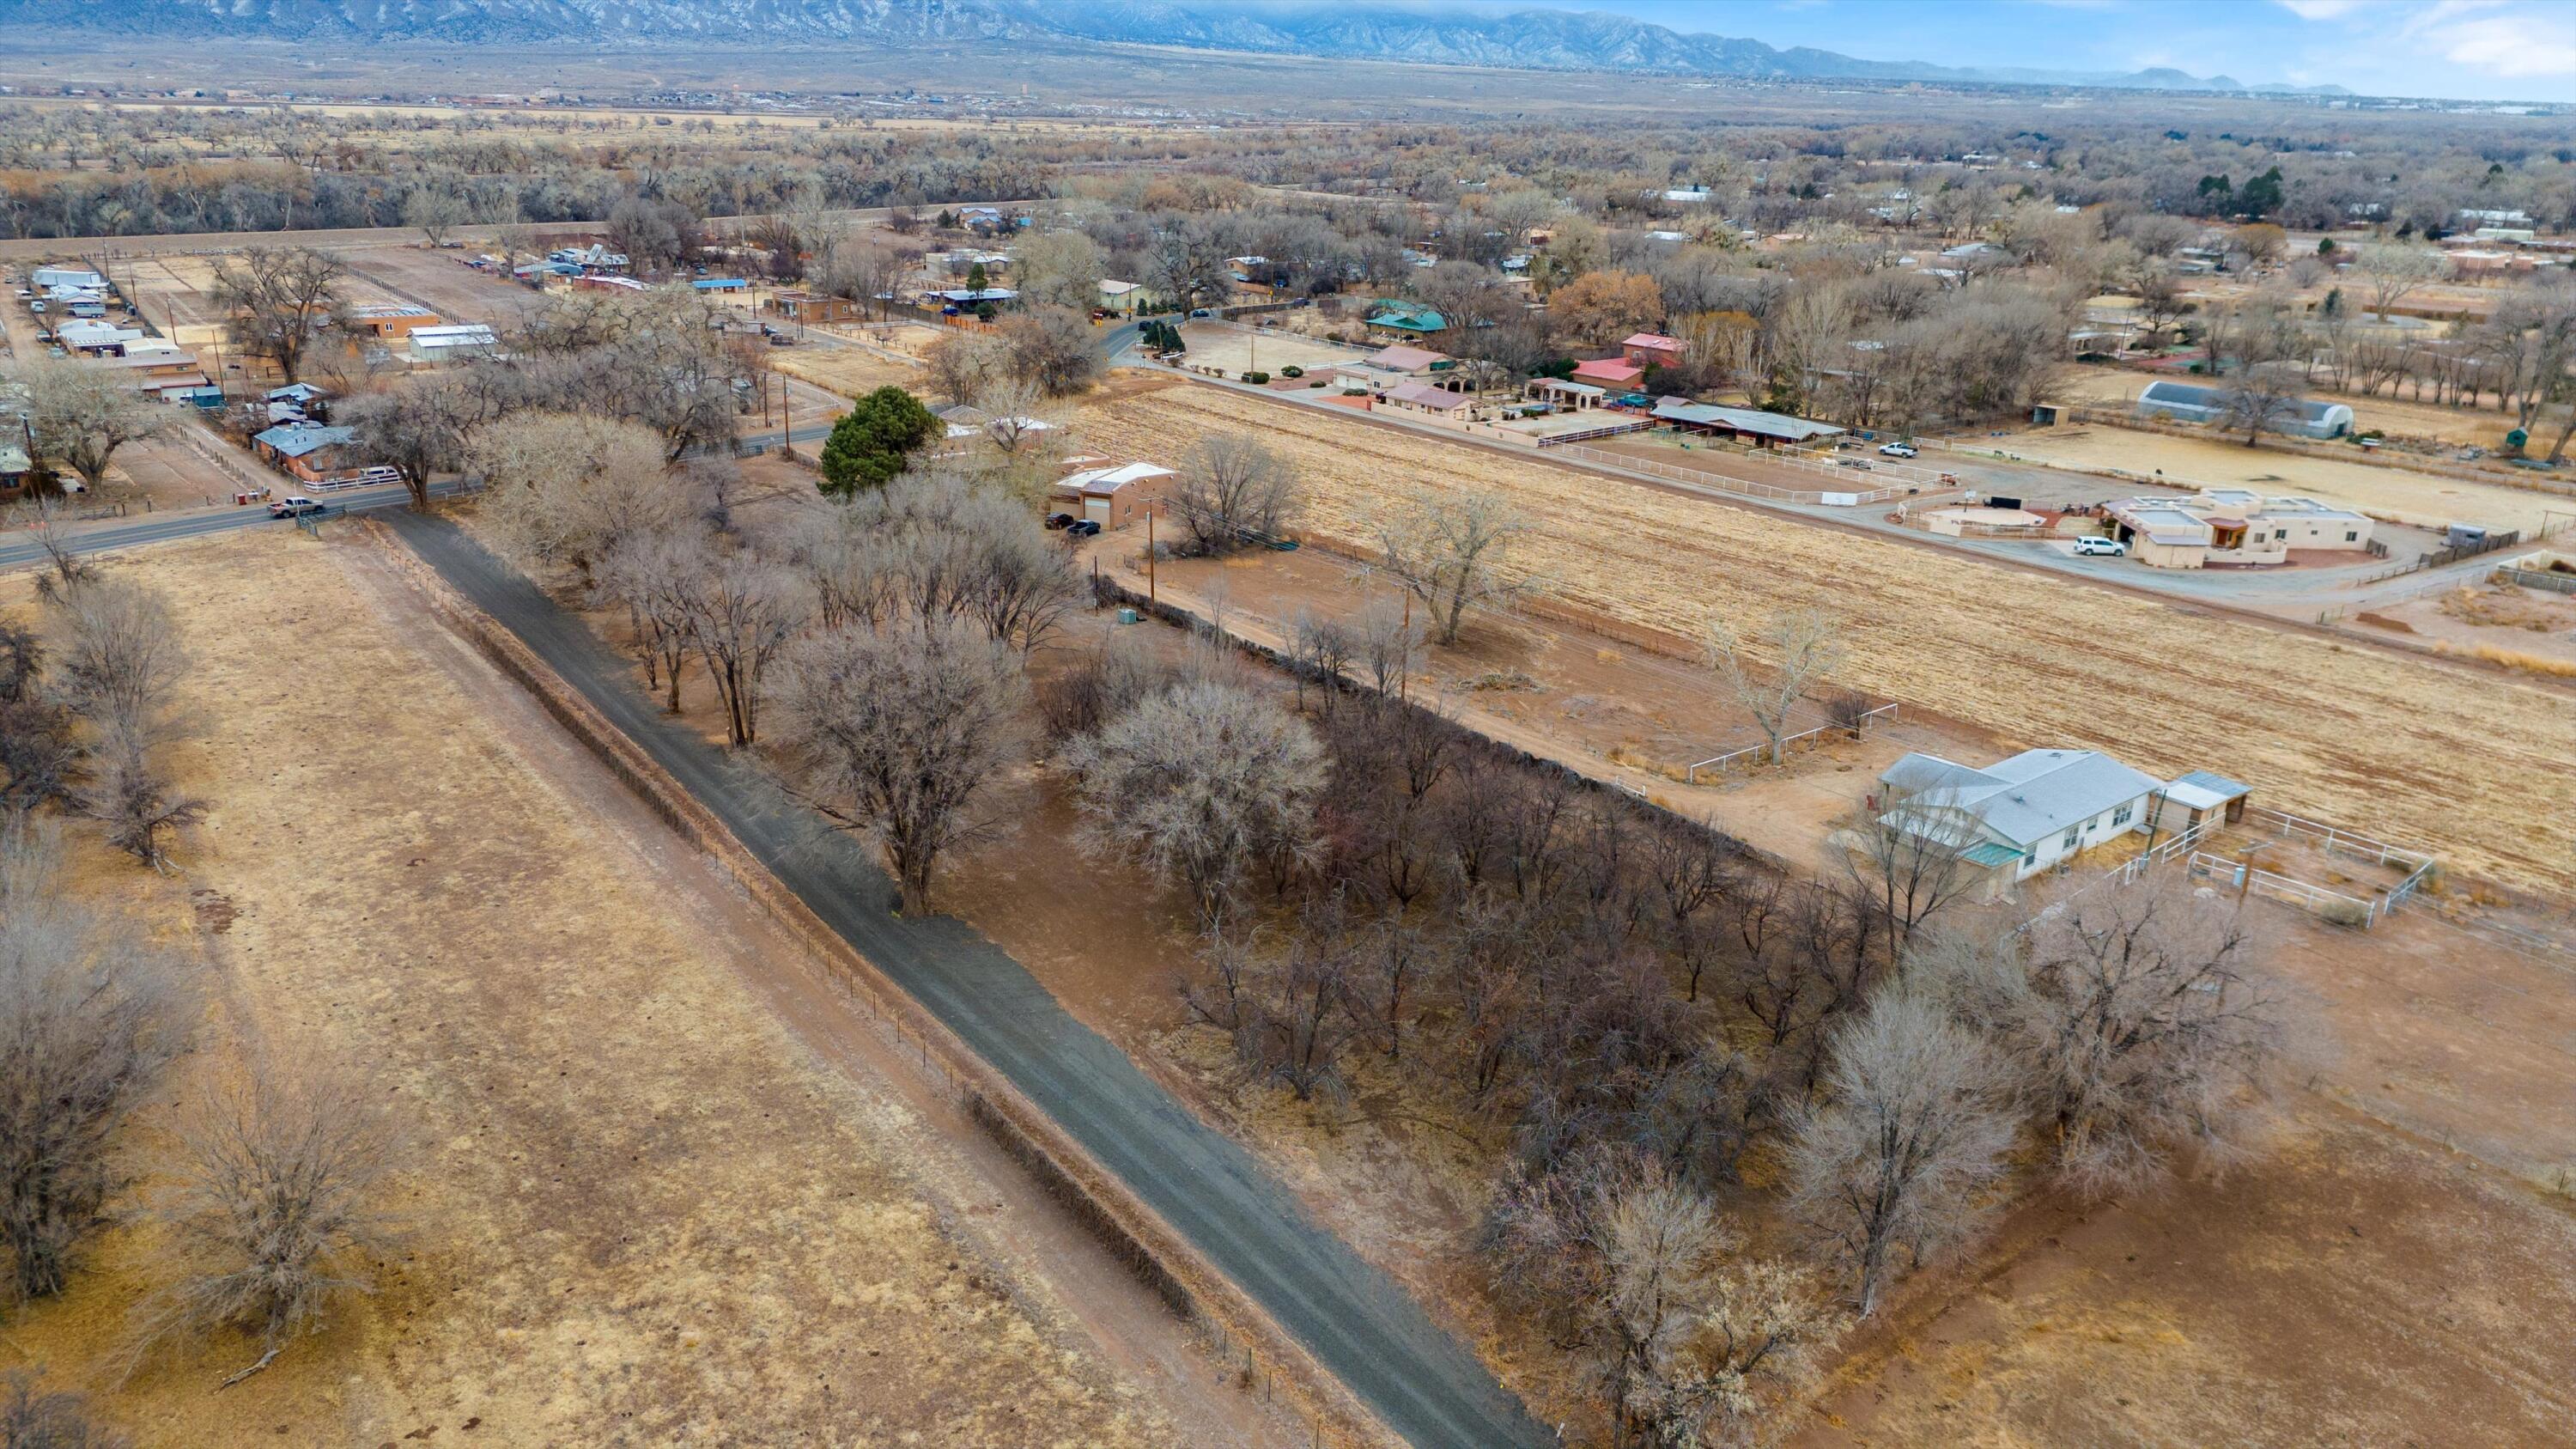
pixel 1113 497
pixel 1609 372
pixel 2188 800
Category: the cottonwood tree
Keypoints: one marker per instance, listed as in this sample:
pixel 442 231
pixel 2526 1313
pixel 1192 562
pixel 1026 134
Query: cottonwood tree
pixel 961 365
pixel 1799 648
pixel 1910 862
pixel 39 758
pixel 2390 274
pixel 1057 269
pixel 276 1211
pixel 2139 1032
pixel 2264 398
pixel 897 734
pixel 435 211
pixel 1199 782
pixel 79 415
pixel 1912 1129
pixel 419 427
pixel 1232 488
pixel 277 301
pixel 564 489
pixel 652 576
pixel 1692 1344
pixel 1450 550
pixel 92 1015
pixel 740 610
pixel 1050 348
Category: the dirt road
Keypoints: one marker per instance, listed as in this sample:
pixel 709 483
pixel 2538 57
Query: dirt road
pixel 1422 1383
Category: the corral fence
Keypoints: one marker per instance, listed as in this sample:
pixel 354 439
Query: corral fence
pixel 1718 764
pixel 1726 483
pixel 2248 878
pixel 1606 430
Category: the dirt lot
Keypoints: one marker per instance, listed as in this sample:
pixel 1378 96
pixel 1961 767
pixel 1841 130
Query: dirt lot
pixel 2532 629
pixel 2335 731
pixel 642 1209
pixel 2423 499
pixel 843 369
pixel 171 291
pixel 435 279
pixel 1240 349
pixel 2353 1288
pixel 2485 427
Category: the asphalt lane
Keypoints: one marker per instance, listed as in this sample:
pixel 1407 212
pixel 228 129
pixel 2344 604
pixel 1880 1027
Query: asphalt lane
pixel 1424 1384
pixel 18 550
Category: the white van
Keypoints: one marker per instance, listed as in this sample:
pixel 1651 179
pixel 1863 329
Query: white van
pixel 2110 547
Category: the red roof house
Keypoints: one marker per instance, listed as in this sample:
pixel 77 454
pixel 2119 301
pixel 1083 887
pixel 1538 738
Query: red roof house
pixel 1653 349
pixel 1609 372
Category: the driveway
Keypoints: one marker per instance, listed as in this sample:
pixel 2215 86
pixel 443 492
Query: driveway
pixel 1424 1384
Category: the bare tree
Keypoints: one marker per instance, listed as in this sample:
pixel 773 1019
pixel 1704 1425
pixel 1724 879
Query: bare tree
pixel 1232 490
pixel 116 663
pixel 2264 398
pixel 1910 861
pixel 419 427
pixel 2390 274
pixel 79 415
pixel 39 759
pixel 1450 550
pixel 2139 1033
pixel 1801 648
pixel 652 575
pixel 435 211
pixel 741 611
pixel 1693 1346
pixel 92 1016
pixel 1200 781
pixel 896 735
pixel 278 300
pixel 275 1213
pixel 1913 1128
pixel 1050 348
pixel 565 489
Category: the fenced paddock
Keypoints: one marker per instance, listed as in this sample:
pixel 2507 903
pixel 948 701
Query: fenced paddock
pixel 1728 483
pixel 1802 739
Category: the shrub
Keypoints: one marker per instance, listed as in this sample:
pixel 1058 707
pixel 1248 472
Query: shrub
pixel 1292 370
pixel 1256 378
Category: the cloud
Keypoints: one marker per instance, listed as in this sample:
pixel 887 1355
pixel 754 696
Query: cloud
pixel 2508 46
pixel 2320 9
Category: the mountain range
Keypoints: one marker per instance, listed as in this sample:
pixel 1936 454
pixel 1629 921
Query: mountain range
pixel 1528 40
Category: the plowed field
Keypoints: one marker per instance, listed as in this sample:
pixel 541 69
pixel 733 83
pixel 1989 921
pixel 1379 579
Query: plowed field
pixel 2469 764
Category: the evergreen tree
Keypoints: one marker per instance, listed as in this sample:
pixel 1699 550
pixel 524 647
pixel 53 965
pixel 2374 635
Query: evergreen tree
pixel 869 444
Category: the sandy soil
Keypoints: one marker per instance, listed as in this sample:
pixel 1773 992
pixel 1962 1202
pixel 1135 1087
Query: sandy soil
pixel 2334 731
pixel 2423 499
pixel 846 371
pixel 2530 624
pixel 2485 427
pixel 2354 1287
pixel 1239 349
pixel 641 1209
pixel 434 279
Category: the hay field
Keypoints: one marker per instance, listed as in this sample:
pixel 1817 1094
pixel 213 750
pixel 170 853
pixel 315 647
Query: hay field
pixel 2464 762
pixel 640 1209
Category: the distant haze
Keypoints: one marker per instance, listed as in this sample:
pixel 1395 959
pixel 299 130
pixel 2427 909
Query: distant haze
pixel 2387 48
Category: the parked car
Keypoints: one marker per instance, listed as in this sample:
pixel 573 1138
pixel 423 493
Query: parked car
pixel 293 507
pixel 36 307
pixel 2110 547
pixel 1201 312
pixel 378 474
pixel 1082 528
pixel 1898 450
pixel 1059 520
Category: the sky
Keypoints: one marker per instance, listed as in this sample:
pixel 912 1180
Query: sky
pixel 2462 49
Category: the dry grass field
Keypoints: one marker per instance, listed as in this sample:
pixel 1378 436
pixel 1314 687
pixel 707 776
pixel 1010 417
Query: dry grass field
pixel 849 371
pixel 640 1209
pixel 2463 761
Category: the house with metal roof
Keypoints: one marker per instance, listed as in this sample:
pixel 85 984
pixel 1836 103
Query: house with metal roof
pixel 449 343
pixel 2018 816
pixel 1764 429
pixel 1402 320
pixel 2193 403
pixel 308 452
pixel 1112 497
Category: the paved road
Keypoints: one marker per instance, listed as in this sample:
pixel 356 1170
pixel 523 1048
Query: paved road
pixel 1362 1326
pixel 17 550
